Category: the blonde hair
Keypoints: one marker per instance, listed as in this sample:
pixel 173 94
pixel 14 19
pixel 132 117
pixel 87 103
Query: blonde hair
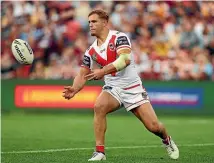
pixel 101 13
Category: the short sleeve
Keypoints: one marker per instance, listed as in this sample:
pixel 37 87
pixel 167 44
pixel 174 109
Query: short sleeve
pixel 122 42
pixel 87 61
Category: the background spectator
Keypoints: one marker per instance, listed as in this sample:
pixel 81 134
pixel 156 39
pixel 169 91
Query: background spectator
pixel 171 40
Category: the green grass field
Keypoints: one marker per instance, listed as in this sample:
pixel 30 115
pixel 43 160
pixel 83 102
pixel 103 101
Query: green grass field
pixel 68 138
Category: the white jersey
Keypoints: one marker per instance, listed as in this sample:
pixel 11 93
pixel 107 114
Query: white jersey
pixel 106 54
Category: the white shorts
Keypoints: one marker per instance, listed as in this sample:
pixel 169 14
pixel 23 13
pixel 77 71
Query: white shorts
pixel 130 97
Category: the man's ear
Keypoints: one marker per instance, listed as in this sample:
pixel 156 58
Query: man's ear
pixel 105 23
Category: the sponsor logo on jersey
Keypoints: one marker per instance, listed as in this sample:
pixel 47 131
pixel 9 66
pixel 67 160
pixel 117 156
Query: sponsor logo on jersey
pixel 102 50
pixel 111 47
pixel 94 57
pixel 86 61
pixel 122 40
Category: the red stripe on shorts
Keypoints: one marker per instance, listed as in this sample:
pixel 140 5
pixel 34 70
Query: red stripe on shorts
pixel 132 87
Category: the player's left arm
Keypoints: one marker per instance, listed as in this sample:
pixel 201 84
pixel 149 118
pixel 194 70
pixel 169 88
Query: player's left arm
pixel 120 63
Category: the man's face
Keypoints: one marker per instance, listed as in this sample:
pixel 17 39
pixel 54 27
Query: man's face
pixel 96 24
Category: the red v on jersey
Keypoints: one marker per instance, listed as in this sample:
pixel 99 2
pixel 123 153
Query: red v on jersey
pixel 111 51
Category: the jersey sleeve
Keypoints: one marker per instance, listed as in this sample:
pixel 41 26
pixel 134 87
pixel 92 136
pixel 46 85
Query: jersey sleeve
pixel 87 61
pixel 122 42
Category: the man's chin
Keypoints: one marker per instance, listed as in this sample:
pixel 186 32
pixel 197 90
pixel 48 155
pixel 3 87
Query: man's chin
pixel 93 34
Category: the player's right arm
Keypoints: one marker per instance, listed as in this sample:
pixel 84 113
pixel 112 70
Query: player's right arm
pixel 79 80
pixel 78 84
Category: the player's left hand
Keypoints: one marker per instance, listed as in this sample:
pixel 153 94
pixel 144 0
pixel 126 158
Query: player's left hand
pixel 95 74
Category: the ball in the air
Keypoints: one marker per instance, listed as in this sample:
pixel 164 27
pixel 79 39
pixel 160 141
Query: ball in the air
pixel 22 51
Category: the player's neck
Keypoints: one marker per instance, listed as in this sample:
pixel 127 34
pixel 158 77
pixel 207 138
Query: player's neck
pixel 102 37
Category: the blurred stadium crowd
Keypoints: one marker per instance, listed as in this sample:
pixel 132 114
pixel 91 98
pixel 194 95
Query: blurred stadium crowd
pixel 170 40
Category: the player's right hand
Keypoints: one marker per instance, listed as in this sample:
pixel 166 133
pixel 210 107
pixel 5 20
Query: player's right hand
pixel 69 92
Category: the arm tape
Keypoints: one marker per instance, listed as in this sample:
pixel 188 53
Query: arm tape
pixel 120 62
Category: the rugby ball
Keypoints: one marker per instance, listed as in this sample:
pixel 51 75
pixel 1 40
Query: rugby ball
pixel 22 51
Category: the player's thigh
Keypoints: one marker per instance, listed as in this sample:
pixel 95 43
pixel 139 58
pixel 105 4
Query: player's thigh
pixel 106 103
pixel 146 114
